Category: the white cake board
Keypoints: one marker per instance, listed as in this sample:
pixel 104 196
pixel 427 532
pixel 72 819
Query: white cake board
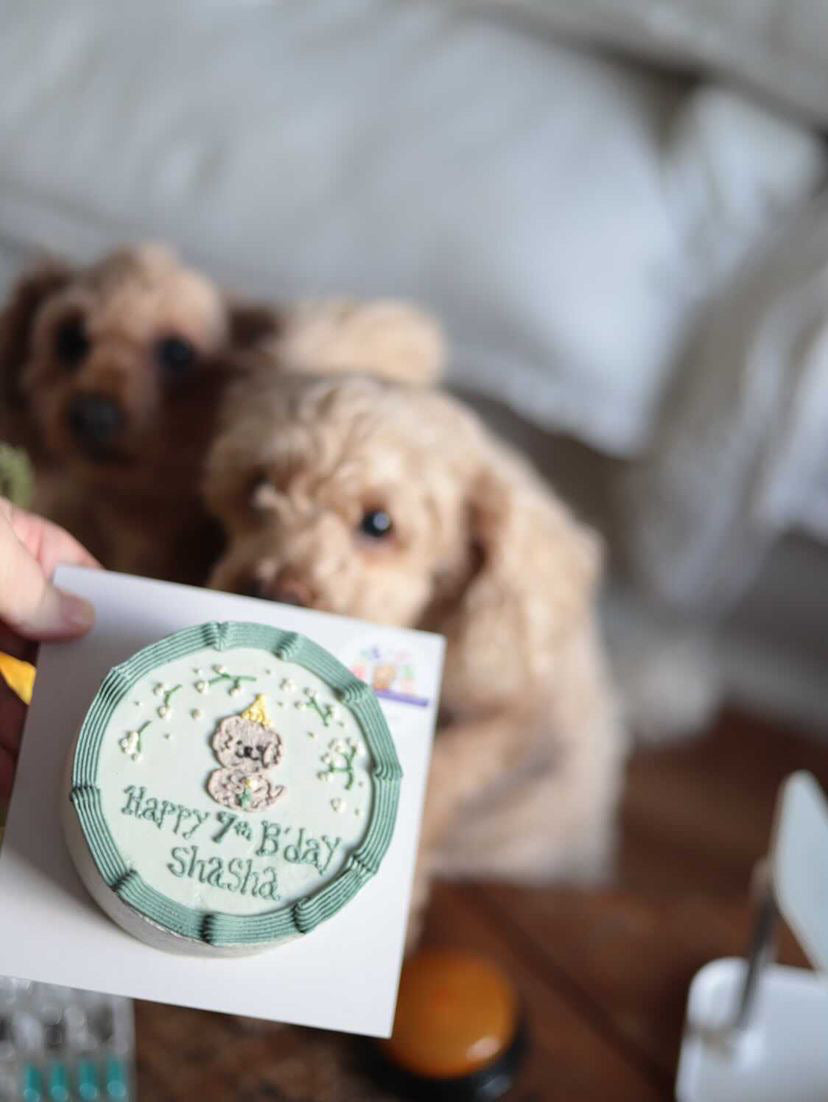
pixel 781 1057
pixel 344 974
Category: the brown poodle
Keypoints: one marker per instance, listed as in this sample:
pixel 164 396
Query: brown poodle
pixel 111 376
pixel 393 503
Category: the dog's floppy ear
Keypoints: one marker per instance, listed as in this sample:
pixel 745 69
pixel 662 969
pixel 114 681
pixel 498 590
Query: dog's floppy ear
pixel 252 325
pixel 533 586
pixel 16 321
pixel 392 340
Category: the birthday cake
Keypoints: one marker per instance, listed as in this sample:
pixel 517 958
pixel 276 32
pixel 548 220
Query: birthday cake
pixel 231 787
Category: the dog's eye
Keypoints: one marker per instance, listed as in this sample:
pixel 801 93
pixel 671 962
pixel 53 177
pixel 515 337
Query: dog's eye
pixel 176 357
pixel 376 524
pixel 71 341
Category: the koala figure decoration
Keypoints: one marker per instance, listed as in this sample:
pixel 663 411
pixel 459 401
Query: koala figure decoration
pixel 248 748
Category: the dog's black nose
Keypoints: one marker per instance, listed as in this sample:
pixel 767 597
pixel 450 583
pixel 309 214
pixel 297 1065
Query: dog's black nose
pixel 94 419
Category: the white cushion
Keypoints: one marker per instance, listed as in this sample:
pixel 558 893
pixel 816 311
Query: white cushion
pixel 741 455
pixel 563 214
pixel 779 47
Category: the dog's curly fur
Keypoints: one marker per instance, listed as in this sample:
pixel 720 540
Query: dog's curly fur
pixel 527 763
pixel 389 339
pixel 70 333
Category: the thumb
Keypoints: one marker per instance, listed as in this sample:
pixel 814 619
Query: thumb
pixel 30 604
pixel 55 614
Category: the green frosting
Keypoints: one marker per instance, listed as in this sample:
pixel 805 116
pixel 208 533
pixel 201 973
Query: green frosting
pixel 213 927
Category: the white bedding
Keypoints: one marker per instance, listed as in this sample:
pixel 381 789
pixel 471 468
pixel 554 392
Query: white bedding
pixel 565 215
pixel 777 47
pixel 742 454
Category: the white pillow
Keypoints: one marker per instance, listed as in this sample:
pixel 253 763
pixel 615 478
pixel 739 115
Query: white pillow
pixel 741 456
pixel 779 47
pixel 563 214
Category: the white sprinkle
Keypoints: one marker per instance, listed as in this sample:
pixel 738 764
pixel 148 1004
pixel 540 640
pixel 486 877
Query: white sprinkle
pixel 219 669
pixel 201 686
pixel 196 713
pixel 163 711
pixel 234 691
pixel 338 804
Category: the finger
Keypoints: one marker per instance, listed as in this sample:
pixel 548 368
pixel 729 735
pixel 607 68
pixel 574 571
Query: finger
pixel 29 604
pixel 7 765
pixel 12 718
pixel 49 544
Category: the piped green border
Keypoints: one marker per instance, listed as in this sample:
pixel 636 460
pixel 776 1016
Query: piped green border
pixel 214 927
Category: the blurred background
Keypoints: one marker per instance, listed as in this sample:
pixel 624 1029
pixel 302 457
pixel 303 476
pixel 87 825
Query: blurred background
pixel 613 208
pixel 617 210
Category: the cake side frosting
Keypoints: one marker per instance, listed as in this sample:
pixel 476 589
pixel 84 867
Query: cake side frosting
pixel 235 784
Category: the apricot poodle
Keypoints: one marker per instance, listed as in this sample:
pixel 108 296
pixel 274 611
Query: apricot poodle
pixel 393 503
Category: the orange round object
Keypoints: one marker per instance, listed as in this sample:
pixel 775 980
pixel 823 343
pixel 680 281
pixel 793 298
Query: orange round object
pixel 455 1015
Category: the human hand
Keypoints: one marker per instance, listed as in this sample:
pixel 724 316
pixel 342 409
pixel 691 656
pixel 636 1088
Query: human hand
pixel 32 609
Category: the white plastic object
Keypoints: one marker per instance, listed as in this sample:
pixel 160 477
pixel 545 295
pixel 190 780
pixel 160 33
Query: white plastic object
pixel 799 865
pixel 755 1030
pixel 782 1055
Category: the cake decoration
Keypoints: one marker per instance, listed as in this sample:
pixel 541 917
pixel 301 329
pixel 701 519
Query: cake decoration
pixel 165 709
pixel 221 839
pixel 339 758
pixel 204 685
pixel 248 747
pixel 131 742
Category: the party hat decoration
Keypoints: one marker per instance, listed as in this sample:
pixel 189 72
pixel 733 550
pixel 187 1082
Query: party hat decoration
pixel 257 711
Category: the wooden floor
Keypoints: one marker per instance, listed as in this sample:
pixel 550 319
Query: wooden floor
pixel 603 975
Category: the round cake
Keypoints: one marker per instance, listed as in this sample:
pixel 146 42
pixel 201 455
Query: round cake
pixel 231 787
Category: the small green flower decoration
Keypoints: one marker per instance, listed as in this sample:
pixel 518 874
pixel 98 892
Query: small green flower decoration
pixel 339 758
pixel 235 681
pixel 131 742
pixel 326 712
